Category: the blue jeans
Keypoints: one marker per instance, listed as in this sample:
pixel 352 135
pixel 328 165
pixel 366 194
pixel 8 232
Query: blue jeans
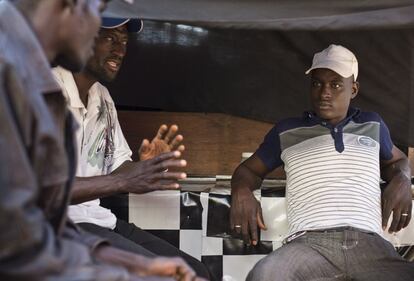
pixel 335 254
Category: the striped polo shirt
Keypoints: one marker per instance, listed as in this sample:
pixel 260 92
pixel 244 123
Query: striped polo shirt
pixel 333 172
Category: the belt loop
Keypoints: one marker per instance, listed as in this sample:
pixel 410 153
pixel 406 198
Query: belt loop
pixel 292 237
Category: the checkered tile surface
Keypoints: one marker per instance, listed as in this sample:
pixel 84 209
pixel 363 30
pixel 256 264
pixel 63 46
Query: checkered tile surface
pixel 196 221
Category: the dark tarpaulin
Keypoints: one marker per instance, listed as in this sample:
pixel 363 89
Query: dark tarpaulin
pixel 274 14
pixel 259 74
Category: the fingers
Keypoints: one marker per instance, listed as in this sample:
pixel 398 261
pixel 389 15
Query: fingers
pixel 400 220
pixel 166 140
pixel 167 181
pixel 168 176
pixel 161 180
pixel 255 222
pixel 169 136
pixel 401 223
pixel 165 186
pixel 249 226
pixel 175 143
pixel 408 212
pixel 169 164
pixel 170 184
pixel 245 217
pixel 260 220
pixel 171 133
pixel 184 271
pixel 235 217
pixel 253 230
pixel 145 147
pixel 245 233
pixel 161 132
pixel 236 223
pixel 386 212
pixel 151 278
pixel 407 220
pixel 396 216
pixel 171 267
pixel 199 279
pixel 165 156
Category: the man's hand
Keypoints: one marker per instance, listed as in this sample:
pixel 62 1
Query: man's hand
pixel 246 215
pixel 144 268
pixel 170 267
pixel 151 278
pixel 166 140
pixel 396 198
pixel 149 175
pixel 246 212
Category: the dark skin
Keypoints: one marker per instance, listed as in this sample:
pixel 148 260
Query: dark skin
pixel 66 30
pixel 156 156
pixel 330 96
pixel 57 25
pixel 136 177
pixel 143 268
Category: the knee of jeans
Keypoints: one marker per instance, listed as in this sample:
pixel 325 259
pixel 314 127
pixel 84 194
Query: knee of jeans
pixel 278 265
pixel 270 267
pixel 259 271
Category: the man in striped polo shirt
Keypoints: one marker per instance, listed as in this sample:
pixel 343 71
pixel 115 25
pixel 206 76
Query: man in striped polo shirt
pixel 334 157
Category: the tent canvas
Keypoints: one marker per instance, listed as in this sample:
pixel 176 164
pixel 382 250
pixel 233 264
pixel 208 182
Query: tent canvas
pixel 248 58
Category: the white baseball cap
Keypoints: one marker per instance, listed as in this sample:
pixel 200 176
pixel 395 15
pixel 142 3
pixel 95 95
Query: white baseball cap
pixel 336 58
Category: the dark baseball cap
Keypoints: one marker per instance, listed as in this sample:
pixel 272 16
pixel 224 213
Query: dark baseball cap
pixel 133 25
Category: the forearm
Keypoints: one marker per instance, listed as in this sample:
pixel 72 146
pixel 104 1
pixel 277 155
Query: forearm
pixel 244 179
pixel 399 170
pixel 397 196
pixel 91 188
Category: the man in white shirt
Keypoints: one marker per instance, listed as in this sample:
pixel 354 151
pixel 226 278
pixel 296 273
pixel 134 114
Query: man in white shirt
pixel 105 166
pixel 334 157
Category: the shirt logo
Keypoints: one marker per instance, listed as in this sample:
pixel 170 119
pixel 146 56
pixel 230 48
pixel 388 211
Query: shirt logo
pixel 366 141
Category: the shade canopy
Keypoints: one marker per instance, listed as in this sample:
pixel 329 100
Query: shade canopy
pixel 274 14
pixel 248 58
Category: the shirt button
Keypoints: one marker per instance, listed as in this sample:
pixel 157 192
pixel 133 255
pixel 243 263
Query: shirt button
pixel 336 130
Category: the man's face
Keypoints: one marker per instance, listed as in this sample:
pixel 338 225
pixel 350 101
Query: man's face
pixel 79 32
pixel 331 94
pixel 109 52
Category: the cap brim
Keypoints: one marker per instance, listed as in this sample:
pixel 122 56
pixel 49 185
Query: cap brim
pixel 133 25
pixel 332 65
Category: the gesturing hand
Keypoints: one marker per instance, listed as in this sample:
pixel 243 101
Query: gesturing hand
pixel 246 216
pixel 151 278
pixel 171 267
pixel 144 268
pixel 166 140
pixel 149 175
pixel 396 198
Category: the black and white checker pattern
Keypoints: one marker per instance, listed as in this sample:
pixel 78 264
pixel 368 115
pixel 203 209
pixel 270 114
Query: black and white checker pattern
pixel 194 222
pixel 196 218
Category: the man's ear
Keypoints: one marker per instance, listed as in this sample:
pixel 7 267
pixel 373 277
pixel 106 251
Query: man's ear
pixel 355 89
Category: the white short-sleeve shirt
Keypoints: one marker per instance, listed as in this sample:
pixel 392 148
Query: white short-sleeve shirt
pixel 101 144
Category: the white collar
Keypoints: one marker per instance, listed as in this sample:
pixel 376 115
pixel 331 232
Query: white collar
pixel 71 89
